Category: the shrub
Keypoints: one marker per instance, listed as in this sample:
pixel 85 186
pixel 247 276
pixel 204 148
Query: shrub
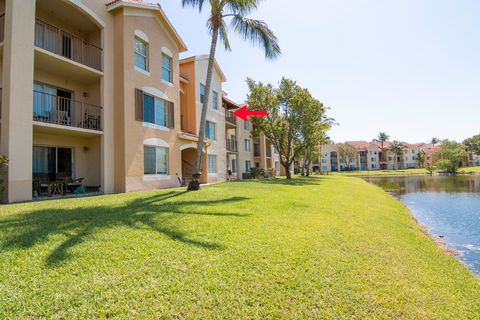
pixel 271 173
pixel 3 170
pixel 257 173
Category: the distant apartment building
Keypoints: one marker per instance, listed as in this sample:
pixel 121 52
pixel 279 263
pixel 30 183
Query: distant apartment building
pixel 94 93
pixel 370 157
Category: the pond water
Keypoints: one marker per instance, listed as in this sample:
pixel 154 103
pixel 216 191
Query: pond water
pixel 449 206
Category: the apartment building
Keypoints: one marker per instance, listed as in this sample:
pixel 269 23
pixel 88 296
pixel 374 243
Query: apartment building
pixel 193 71
pixel 243 151
pixel 370 157
pixel 94 93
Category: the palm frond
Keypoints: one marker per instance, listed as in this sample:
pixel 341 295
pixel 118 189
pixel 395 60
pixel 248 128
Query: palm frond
pixel 258 33
pixel 194 4
pixel 224 36
pixel 242 7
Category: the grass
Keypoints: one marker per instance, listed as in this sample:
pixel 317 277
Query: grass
pixel 326 247
pixel 397 172
pixel 470 169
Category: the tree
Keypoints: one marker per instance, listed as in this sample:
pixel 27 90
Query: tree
pixel 295 119
pixel 255 31
pixel 435 141
pixel 397 148
pixel 382 138
pixel 421 157
pixel 347 154
pixel 472 145
pixel 451 156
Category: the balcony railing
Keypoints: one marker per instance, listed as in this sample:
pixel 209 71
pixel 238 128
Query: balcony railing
pixel 230 117
pixel 232 145
pixel 60 42
pixel 2 26
pixel 62 111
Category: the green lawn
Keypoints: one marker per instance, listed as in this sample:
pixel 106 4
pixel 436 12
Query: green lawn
pixel 470 169
pixel 397 172
pixel 326 247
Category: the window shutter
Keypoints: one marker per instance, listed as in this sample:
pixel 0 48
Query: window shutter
pixel 171 115
pixel 138 105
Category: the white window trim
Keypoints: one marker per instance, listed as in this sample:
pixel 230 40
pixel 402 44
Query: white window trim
pixel 156 142
pixel 156 177
pixel 141 35
pixel 155 126
pixel 147 73
pixel 156 93
pixel 168 83
pixel 167 52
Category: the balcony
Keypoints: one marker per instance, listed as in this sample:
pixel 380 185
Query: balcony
pixel 232 145
pixel 256 150
pixel 62 111
pixel 268 151
pixel 62 43
pixel 230 118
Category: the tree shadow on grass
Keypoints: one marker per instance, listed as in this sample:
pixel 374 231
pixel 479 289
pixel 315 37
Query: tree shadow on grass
pixel 161 212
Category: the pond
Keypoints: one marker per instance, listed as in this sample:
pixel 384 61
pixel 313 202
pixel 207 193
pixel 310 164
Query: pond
pixel 449 206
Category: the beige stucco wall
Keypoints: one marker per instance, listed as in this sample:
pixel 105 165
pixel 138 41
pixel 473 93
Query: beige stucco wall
pixel 132 133
pixel 217 147
pixel 244 155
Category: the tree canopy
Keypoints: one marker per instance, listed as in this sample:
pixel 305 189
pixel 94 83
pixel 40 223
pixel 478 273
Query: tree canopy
pixel 347 154
pixel 473 144
pixel 451 156
pixel 296 121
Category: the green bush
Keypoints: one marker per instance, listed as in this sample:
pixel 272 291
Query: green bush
pixel 257 173
pixel 271 172
pixel 3 170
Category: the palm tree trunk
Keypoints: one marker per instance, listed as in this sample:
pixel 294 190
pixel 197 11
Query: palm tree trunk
pixel 208 88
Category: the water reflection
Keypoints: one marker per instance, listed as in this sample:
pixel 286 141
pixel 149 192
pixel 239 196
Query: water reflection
pixel 447 205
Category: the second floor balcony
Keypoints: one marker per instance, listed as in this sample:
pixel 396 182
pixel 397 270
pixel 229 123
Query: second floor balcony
pixel 232 145
pixel 230 118
pixel 63 43
pixel 57 110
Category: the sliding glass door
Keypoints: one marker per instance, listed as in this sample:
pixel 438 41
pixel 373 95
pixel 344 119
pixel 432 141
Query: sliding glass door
pixel 52 162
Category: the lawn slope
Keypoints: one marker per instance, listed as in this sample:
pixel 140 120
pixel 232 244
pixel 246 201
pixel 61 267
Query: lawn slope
pixel 328 247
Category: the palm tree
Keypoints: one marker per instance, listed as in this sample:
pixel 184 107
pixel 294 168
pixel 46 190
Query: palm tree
pixel 435 141
pixel 382 138
pixel 256 31
pixel 397 148
pixel 421 158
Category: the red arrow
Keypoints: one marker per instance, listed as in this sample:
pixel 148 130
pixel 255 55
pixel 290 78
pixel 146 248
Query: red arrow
pixel 243 113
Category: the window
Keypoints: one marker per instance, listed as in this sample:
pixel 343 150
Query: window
pixel 210 131
pixel 202 93
pixel 212 163
pixel 248 165
pixel 54 162
pixel 234 165
pixel 374 166
pixel 277 166
pixel 215 100
pixel 248 145
pixel 141 54
pixel 373 159
pixel 246 125
pixel 167 66
pixel 154 110
pixel 324 161
pixel 155 160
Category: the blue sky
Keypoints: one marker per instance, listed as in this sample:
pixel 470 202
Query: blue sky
pixel 410 68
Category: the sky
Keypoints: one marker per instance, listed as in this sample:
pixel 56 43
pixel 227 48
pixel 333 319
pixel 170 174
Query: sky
pixel 410 68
